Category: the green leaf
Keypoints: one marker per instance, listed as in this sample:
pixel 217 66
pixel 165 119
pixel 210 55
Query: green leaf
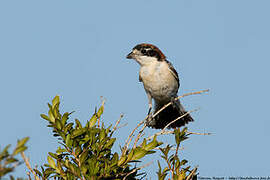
pixel 22 141
pixel 55 111
pixel 51 162
pixel 45 117
pixel 84 170
pixel 78 150
pixel 56 100
pixel 183 162
pixel 162 174
pixel 93 120
pixel 53 155
pixel 51 116
pixel 144 143
pixel 177 166
pixel 177 136
pixel 83 156
pixel 58 124
pixel 102 134
pixel 183 135
pixel 122 160
pixel 182 175
pixel 5 150
pixel 11 160
pixel 166 150
pixel 152 144
pixel 110 143
pixel 37 172
pixel 69 141
pixel 68 127
pixel 115 158
pixel 65 118
pixel 60 150
pixel 139 153
pixel 78 132
pixel 48 172
pixel 78 124
pixel 130 155
pixel 19 150
pixel 100 110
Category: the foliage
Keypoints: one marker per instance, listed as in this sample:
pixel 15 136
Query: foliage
pixel 85 151
pixel 174 165
pixel 9 161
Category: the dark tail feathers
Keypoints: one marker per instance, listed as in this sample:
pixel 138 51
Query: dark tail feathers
pixel 168 115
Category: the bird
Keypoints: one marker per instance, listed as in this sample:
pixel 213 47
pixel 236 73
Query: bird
pixel 161 84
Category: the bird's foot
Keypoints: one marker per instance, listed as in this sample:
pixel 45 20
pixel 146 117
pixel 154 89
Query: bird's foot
pixel 174 103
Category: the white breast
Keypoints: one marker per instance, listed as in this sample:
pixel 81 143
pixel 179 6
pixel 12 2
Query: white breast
pixel 159 81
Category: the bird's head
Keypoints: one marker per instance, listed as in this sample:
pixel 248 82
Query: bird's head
pixel 145 54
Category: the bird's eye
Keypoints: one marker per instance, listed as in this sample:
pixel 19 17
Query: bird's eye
pixel 152 53
pixel 143 51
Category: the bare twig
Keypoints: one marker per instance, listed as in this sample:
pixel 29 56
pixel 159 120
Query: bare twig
pixel 171 132
pixel 78 162
pixel 173 148
pixel 116 124
pixel 26 160
pixel 175 155
pixel 169 164
pixel 163 131
pixel 188 133
pixel 159 133
pixel 122 125
pixel 187 94
pixel 136 169
pixel 192 173
pixel 129 139
pixel 178 119
pixel 139 135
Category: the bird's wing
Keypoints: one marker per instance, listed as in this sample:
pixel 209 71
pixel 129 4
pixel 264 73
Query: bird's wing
pixel 174 72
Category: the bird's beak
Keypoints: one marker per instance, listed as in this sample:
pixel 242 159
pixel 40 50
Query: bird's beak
pixel 130 55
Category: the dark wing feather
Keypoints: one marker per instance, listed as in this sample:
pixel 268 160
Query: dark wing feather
pixel 173 71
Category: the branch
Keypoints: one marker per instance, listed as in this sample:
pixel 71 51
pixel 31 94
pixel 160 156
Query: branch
pixel 171 132
pixel 134 170
pixel 163 131
pixel 178 119
pixel 26 160
pixel 129 139
pixel 187 94
pixel 116 124
pixel 190 176
pixel 159 133
pixel 189 133
pixel 122 125
pixel 78 162
pixel 139 135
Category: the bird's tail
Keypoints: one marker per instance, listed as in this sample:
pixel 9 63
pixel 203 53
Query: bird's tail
pixel 168 115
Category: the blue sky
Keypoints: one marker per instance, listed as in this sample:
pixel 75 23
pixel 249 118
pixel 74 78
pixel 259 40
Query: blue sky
pixel 77 50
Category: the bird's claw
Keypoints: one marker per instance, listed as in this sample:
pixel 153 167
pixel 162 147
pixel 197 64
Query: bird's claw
pixel 174 103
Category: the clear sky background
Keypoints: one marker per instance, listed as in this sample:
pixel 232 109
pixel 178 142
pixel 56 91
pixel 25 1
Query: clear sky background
pixel 77 49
